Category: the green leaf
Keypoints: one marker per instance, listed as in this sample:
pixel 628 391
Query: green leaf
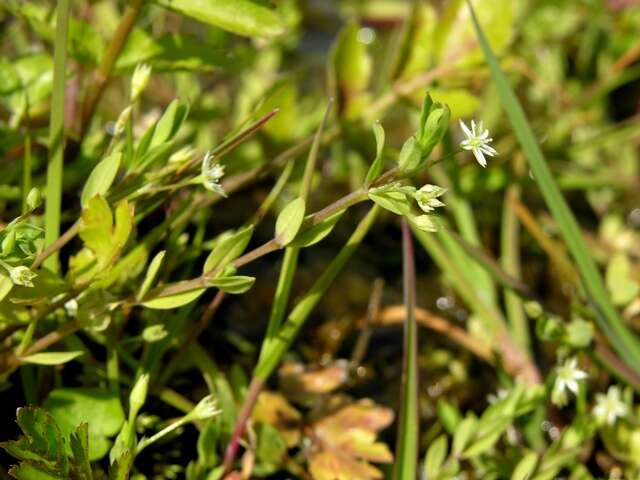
pixel 101 178
pixel 525 467
pixel 169 123
pixel 392 199
pixel 227 249
pixel 51 358
pixel 25 471
pixel 174 301
pixel 435 457
pixel 289 221
pixel 466 429
pixel 376 167
pixel 100 409
pixel 623 341
pixel 622 287
pixel 243 17
pixel 316 233
pixel 234 284
pixel 349 70
pixel 150 276
pixel 99 233
pixel 271 447
pixel 79 442
pixel 410 157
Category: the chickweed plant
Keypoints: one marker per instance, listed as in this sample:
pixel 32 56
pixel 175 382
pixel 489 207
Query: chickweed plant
pixel 243 239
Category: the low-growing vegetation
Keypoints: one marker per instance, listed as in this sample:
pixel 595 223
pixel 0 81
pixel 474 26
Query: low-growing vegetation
pixel 319 240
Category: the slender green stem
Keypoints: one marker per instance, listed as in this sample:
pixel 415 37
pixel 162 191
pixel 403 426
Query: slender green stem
pixel 406 462
pixel 510 260
pixel 26 165
pixel 56 132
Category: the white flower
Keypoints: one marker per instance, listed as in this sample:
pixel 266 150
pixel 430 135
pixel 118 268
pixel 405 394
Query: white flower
pixel 206 408
pixel 212 172
pixel 427 197
pixel 609 407
pixel 477 141
pixel 567 377
pixel 71 307
pixel 22 276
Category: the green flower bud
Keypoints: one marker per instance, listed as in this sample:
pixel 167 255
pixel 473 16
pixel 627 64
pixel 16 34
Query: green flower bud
pixel 154 333
pixel 138 395
pixel 434 121
pixel 182 155
pixel 8 243
pixel 34 198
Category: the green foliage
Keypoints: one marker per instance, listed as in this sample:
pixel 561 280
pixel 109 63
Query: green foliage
pixel 45 452
pixel 162 163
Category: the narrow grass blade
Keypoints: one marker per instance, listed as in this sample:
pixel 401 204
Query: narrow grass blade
pixel 406 464
pixel 623 341
pixel 56 133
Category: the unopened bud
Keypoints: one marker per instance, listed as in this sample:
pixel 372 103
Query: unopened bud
pixel 34 198
pixel 139 80
pixel 138 395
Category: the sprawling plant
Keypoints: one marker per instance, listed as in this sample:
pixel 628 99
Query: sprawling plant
pixel 202 236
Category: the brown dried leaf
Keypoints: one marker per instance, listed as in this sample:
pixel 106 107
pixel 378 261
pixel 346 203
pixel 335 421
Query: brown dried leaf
pixel 345 441
pixel 274 409
pixel 299 381
pixel 327 465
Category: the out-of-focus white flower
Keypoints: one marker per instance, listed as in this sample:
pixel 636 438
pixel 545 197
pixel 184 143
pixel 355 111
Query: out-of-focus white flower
pixel 182 155
pixel 71 307
pixel 206 408
pixel 22 276
pixel 212 173
pixel 123 118
pixel 609 407
pixel 567 377
pixel 139 80
pixel 427 197
pixel 477 141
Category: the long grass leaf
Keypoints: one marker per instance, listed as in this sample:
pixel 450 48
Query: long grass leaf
pixel 624 342
pixel 408 426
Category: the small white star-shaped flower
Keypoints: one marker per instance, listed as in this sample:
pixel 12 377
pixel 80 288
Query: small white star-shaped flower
pixel 212 173
pixel 609 407
pixel 477 141
pixel 567 377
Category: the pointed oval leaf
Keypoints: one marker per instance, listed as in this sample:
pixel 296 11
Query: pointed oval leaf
pixel 243 17
pixel 101 178
pixel 173 301
pixel 51 358
pixel 289 221
pixel 315 234
pixel 150 276
pixel 227 249
pixel 376 167
pixel 234 284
